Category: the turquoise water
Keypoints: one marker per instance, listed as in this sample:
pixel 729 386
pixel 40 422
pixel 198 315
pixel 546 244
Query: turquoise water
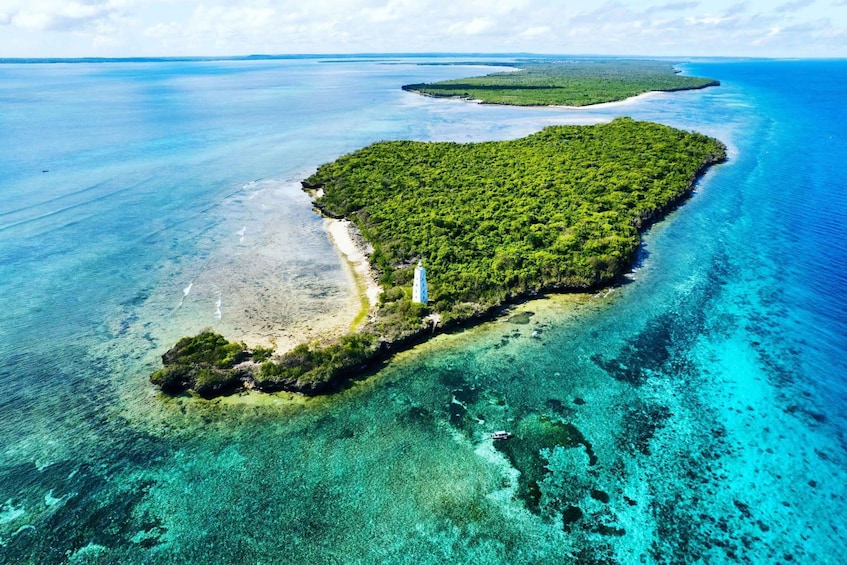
pixel 696 413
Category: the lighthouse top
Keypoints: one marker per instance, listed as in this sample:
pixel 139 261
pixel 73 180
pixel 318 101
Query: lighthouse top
pixel 419 293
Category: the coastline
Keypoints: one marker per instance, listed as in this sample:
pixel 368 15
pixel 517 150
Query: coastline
pixel 268 298
pixel 631 99
pixel 355 251
pixel 354 247
pixel 321 367
pixel 615 104
pixel 602 105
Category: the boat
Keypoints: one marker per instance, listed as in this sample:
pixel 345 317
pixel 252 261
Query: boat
pixel 502 434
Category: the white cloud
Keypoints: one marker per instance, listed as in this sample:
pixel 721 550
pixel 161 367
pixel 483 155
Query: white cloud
pixel 224 27
pixel 773 32
pixel 56 15
pixel 390 12
pixel 472 27
pixel 794 5
pixel 163 30
pixel 672 7
pixel 707 20
pixel 536 31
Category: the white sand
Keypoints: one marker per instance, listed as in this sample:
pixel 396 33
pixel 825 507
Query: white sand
pixel 604 105
pixel 349 244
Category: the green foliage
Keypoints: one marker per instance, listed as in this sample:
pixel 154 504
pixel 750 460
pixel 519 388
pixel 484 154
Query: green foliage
pixel 262 354
pixel 172 378
pixel 206 348
pixel 205 362
pixel 398 315
pixel 318 364
pixel 558 209
pixel 209 381
pixel 566 82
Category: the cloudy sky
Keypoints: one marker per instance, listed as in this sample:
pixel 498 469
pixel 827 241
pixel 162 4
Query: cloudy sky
pixel 117 28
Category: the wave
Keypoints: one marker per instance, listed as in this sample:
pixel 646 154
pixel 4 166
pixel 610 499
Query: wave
pixel 185 292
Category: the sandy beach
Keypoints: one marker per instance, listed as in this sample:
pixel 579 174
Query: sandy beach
pixel 606 105
pixel 355 250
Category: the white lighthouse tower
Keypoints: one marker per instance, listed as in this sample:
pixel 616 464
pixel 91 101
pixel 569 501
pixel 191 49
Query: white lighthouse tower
pixel 419 286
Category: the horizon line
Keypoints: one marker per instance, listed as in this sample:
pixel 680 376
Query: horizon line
pixel 377 55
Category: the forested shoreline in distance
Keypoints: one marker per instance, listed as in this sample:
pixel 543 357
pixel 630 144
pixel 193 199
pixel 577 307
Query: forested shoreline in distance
pixel 573 82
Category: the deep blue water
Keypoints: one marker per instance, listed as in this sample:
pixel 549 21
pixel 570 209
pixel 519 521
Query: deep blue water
pixel 705 401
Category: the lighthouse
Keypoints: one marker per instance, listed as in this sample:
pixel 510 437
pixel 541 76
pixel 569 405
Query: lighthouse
pixel 419 286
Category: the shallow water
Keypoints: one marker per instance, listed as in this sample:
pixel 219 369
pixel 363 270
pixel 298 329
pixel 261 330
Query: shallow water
pixel 697 412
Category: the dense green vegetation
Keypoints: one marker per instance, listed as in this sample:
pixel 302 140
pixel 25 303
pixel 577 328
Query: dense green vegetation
pixel 205 362
pixel 313 366
pixel 557 210
pixel 210 365
pixel 578 82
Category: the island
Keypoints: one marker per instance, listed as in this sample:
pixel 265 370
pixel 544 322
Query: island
pixel 493 223
pixel 574 82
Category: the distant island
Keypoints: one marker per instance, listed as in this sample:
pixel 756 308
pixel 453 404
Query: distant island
pixel 578 82
pixel 493 223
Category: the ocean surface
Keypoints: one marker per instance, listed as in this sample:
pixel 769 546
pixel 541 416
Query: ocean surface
pixel 696 413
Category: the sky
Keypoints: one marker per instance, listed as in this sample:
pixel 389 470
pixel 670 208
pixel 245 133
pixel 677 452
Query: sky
pixel 151 28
